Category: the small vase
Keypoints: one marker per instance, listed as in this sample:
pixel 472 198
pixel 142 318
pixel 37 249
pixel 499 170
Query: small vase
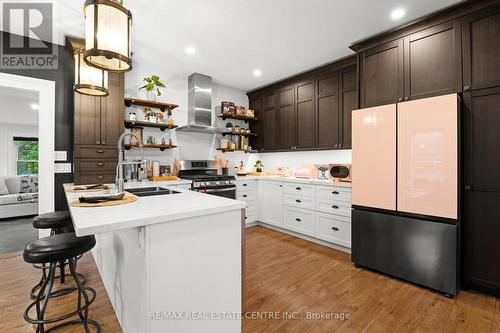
pixel 151 96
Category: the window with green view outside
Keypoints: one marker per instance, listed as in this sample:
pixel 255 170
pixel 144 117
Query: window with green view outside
pixel 27 155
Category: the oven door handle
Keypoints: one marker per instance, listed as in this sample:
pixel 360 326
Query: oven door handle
pixel 219 190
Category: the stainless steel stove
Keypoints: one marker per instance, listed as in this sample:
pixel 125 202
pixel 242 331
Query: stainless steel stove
pixel 205 179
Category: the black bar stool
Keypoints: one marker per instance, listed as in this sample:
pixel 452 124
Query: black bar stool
pixel 58 222
pixel 52 250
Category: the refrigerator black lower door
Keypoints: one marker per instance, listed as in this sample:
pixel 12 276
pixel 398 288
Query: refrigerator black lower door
pixel 420 251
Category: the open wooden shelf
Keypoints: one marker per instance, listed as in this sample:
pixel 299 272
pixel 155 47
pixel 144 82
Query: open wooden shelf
pixel 142 124
pixel 240 134
pixel 149 146
pixel 229 116
pixel 152 104
pixel 224 150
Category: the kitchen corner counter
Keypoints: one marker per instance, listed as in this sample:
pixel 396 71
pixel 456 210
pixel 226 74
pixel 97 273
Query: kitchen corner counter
pixel 147 210
pixel 328 182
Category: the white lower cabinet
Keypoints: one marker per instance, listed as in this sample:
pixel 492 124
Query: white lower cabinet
pixel 246 190
pixel 334 229
pixel 270 202
pixel 299 220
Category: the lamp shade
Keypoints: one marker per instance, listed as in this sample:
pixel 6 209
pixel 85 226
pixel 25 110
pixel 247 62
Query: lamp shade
pixel 107 35
pixel 89 80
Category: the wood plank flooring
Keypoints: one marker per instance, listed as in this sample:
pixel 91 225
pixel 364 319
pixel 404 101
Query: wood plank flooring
pixel 288 276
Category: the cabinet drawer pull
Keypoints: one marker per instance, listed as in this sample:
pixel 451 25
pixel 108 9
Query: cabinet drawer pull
pixel 298 201
pixel 100 164
pixel 335 192
pixel 298 220
pixel 335 207
pixel 100 177
pixel 298 188
pixel 100 151
pixel 98 142
pixel 244 195
pixel 335 229
pixel 244 185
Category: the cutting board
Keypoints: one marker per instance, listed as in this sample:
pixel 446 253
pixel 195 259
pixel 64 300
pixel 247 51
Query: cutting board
pixel 128 198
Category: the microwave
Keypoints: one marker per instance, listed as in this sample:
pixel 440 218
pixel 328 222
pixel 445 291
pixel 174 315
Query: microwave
pixel 340 172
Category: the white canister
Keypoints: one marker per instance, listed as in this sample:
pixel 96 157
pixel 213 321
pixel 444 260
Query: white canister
pixel 224 143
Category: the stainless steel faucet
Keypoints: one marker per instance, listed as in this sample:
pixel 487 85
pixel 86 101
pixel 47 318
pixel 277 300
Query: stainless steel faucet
pixel 119 181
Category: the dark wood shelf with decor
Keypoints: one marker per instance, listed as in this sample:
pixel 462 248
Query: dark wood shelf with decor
pixel 225 116
pixel 152 104
pixel 142 124
pixel 239 133
pixel 225 150
pixel 149 146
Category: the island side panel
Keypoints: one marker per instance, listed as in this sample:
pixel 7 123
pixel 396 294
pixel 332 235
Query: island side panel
pixel 195 266
pixel 121 261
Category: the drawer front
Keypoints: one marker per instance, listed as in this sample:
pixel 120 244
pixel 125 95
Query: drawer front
pixel 334 207
pixel 94 166
pixel 334 193
pixel 299 220
pixel 246 185
pixel 245 195
pixel 85 178
pixel 299 201
pixel 333 229
pixel 301 189
pixel 96 152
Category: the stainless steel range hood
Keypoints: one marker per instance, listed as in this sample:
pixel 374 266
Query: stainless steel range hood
pixel 199 105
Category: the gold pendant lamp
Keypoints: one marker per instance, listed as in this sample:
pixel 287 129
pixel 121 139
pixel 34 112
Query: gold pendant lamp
pixel 107 35
pixel 89 80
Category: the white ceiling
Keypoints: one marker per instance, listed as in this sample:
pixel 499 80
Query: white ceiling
pixel 234 37
pixel 15 107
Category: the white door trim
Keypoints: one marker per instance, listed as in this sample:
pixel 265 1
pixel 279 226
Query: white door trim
pixel 46 132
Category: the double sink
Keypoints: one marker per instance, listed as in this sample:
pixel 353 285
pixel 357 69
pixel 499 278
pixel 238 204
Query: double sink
pixel 150 191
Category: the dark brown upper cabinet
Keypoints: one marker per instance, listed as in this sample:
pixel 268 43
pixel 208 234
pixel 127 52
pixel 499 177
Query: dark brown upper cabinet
pixel 327 101
pixel 286 129
pixel 381 74
pixel 269 121
pixel 306 115
pixel 349 102
pixel 433 62
pixel 256 103
pixel 481 49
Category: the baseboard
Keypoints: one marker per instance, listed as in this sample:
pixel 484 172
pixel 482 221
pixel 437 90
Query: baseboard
pixel 301 236
pixel 250 224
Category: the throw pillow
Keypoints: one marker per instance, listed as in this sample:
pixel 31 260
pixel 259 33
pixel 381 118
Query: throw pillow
pixel 3 187
pixel 29 184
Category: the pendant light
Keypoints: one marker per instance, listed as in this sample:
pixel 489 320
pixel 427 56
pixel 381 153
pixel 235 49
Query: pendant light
pixel 107 35
pixel 89 80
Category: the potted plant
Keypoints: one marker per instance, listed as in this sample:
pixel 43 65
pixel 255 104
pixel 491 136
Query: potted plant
pixel 152 86
pixel 258 166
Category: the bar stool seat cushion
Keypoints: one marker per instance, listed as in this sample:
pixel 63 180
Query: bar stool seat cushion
pixel 52 220
pixel 57 248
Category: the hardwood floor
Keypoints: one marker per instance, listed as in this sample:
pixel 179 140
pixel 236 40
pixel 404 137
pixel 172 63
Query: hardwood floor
pixel 288 276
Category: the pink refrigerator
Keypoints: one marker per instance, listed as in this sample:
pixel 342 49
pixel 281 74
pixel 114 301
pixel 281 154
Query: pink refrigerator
pixel 405 190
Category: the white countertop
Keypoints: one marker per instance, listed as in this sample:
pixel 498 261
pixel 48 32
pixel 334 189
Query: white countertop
pixel 328 182
pixel 157 183
pixel 147 210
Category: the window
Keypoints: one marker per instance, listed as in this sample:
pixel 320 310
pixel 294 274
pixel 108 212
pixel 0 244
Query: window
pixel 27 155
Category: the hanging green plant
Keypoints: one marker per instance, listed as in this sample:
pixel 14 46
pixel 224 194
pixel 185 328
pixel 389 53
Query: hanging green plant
pixel 153 83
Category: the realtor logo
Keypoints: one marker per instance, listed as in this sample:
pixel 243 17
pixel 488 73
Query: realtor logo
pixel 30 26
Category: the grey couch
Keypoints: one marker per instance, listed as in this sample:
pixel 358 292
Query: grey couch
pixel 18 196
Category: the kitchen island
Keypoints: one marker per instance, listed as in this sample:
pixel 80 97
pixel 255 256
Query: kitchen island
pixel 169 263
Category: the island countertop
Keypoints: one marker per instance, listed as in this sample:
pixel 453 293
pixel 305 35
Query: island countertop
pixel 146 210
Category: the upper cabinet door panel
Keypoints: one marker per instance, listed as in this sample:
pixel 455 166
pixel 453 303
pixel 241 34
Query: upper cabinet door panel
pixel 285 96
pixel 374 157
pixel 481 39
pixel 269 121
pixel 428 156
pixel 112 110
pixel 256 104
pixel 87 120
pixel 349 102
pixel 286 118
pixel 327 110
pixel 381 78
pixel 433 62
pixel 306 124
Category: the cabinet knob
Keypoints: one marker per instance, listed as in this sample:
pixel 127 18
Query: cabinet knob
pixel 97 142
pixel 400 99
pixel 100 151
pixel 244 185
pixel 335 192
pixel 335 207
pixel 466 88
pixel 407 98
pixel 100 164
pixel 298 201
pixel 298 188
pixel 298 220
pixel 244 195
pixel 103 142
pixel 100 177
pixel 335 229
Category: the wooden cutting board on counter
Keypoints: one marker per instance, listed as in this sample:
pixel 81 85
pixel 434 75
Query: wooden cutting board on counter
pixel 128 198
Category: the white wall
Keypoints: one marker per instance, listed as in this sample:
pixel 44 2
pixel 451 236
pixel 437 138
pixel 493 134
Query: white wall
pixel 8 148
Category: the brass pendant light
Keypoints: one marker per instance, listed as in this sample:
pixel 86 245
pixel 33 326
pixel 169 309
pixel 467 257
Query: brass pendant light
pixel 89 80
pixel 107 35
